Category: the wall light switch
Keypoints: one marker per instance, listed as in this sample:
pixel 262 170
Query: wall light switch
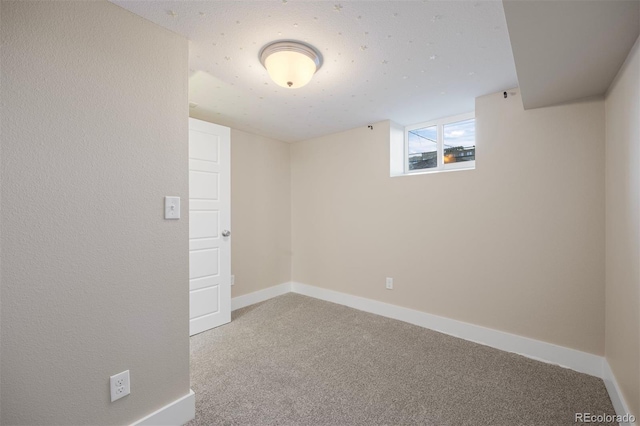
pixel 172 207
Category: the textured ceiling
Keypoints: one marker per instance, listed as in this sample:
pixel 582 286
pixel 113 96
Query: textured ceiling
pixel 405 61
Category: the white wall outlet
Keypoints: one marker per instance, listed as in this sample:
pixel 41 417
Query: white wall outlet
pixel 233 279
pixel 389 283
pixel 120 385
pixel 172 207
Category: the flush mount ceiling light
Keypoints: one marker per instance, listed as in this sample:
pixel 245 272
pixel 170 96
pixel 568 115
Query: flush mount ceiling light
pixel 290 63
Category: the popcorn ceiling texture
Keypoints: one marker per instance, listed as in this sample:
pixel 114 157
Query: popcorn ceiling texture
pixel 405 61
pixel 94 281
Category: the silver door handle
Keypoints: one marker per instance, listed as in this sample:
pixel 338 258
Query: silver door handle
pixel 226 233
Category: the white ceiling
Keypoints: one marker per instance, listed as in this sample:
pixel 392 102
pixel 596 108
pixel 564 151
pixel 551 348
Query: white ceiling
pixel 567 50
pixel 408 61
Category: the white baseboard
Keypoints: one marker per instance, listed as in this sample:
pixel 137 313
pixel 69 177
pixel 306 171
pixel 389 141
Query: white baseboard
pixel 582 362
pixel 618 401
pixel 260 296
pixel 176 413
pixel 547 352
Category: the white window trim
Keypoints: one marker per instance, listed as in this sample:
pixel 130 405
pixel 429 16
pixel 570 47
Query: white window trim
pixel 441 167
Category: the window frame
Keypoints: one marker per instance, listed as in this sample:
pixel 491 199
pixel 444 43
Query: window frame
pixel 441 165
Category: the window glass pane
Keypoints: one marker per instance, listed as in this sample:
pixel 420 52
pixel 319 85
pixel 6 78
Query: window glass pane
pixel 423 148
pixel 460 141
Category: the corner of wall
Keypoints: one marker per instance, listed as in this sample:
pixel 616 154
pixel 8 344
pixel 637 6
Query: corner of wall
pixel 622 287
pixel 260 212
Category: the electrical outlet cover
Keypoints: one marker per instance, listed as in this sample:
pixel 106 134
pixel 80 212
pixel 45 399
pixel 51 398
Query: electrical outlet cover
pixel 389 283
pixel 120 385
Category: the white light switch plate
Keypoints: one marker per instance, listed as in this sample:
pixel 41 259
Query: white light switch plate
pixel 172 207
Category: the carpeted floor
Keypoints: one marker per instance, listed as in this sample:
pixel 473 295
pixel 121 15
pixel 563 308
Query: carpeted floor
pixel 294 360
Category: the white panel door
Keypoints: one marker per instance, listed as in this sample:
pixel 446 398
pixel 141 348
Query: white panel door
pixel 209 222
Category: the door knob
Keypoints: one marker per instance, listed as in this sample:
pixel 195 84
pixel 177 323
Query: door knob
pixel 226 233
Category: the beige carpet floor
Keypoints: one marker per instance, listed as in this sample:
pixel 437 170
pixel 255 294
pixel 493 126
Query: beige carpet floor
pixel 294 360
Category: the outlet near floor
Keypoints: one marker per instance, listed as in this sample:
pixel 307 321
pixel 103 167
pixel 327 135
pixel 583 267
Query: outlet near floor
pixel 389 283
pixel 120 385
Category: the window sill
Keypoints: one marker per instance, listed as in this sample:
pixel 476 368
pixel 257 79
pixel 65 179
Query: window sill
pixel 431 172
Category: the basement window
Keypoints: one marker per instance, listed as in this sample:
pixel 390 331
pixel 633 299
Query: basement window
pixel 441 145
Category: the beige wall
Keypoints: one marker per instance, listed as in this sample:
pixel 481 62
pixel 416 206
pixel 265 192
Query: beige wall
pixel 260 212
pixel 515 245
pixel 623 229
pixel 94 281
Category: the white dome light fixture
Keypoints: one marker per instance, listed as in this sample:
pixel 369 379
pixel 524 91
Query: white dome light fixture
pixel 290 63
